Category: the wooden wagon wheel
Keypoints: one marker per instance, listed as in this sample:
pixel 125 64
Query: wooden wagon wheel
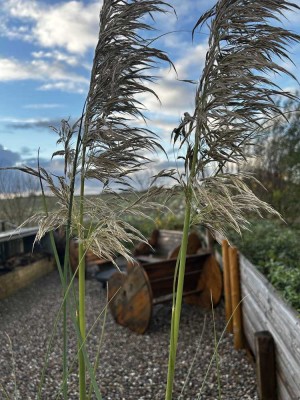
pixel 210 285
pixel 130 298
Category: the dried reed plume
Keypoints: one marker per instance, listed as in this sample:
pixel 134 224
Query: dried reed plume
pixel 112 147
pixel 235 100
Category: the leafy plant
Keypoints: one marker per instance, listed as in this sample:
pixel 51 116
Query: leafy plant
pixel 273 247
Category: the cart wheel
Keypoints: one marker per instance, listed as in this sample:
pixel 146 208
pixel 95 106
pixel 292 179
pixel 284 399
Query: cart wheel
pixel 130 298
pixel 210 285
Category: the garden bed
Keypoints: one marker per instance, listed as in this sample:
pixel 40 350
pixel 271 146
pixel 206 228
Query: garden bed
pixel 20 271
pixel 274 248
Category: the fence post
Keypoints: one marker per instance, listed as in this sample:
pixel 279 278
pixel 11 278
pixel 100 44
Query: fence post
pixel 265 365
pixel 227 289
pixel 236 298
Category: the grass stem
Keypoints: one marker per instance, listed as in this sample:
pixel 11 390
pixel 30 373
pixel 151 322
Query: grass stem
pixel 81 278
pixel 177 300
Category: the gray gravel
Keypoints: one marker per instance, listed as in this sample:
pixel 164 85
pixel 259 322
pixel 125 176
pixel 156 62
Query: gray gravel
pixel 132 367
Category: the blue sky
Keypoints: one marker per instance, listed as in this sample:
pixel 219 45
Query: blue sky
pixel 46 51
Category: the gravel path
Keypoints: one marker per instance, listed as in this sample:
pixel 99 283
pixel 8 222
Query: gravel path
pixel 132 367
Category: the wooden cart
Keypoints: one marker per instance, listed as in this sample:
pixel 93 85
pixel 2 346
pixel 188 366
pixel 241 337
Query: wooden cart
pixel 149 281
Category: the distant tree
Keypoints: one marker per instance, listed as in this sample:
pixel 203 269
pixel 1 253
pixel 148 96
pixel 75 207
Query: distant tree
pixel 18 196
pixel 277 163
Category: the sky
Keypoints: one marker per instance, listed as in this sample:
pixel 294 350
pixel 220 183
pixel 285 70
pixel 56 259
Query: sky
pixel 46 53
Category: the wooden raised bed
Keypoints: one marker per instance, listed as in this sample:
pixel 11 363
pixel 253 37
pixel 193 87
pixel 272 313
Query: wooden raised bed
pixel 149 281
pixel 21 277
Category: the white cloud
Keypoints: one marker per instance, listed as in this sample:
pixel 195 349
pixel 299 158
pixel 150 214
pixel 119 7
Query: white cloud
pixel 176 97
pixel 12 69
pixel 40 106
pixel 190 65
pixel 56 55
pixel 32 121
pixel 63 32
pixel 72 25
pixel 72 87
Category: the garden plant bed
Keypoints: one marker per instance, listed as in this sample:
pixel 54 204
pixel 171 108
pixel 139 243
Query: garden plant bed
pixel 132 367
pixel 21 271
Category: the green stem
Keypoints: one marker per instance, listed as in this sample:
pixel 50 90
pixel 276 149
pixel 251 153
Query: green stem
pixel 216 349
pixel 61 273
pixel 67 260
pixel 176 309
pixel 81 277
pixel 65 331
pixel 96 363
pixel 63 276
pixel 57 318
pixel 5 392
pixel 177 300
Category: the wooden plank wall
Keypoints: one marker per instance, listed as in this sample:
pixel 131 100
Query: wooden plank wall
pixel 24 276
pixel 263 309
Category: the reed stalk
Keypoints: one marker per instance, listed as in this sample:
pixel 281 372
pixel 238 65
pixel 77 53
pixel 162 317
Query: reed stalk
pixel 81 278
pixel 63 277
pixel 233 102
pixel 177 299
pixel 4 392
pixel 97 358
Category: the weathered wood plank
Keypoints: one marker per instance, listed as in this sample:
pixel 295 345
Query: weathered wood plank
pixel 282 391
pixel 210 284
pixel 17 234
pixel 226 285
pixel 202 278
pixel 234 276
pixel 252 310
pixel 278 314
pixel 24 276
pixel 259 321
pixel 162 268
pixel 285 359
pixel 264 309
pixel 130 299
pixel 249 330
pixel 265 365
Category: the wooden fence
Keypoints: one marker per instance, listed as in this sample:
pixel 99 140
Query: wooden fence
pixel 263 309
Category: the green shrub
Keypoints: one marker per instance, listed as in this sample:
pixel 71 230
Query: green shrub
pixel 274 248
